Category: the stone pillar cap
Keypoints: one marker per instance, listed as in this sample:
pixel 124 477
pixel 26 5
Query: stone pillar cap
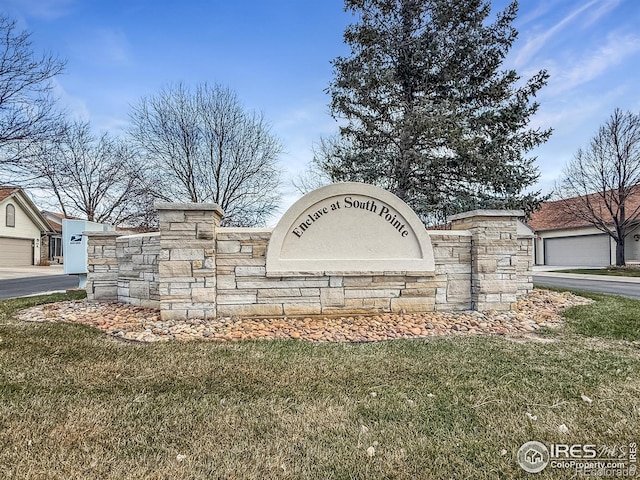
pixel 487 213
pixel 207 207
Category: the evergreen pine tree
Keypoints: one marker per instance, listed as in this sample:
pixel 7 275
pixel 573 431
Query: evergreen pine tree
pixel 429 112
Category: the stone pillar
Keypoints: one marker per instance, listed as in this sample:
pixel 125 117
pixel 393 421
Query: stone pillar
pixel 102 266
pixel 187 262
pixel 44 249
pixel 494 256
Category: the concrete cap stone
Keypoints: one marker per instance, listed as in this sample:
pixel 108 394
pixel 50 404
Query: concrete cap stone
pixel 203 207
pixel 487 213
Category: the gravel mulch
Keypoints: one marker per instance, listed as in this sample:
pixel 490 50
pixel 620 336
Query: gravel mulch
pixel 541 308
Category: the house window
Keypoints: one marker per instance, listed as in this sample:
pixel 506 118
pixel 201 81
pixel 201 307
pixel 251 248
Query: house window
pixel 55 247
pixel 11 216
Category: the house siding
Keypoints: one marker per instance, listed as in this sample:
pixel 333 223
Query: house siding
pixel 632 246
pixel 24 228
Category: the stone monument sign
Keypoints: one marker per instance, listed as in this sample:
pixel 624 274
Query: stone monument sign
pixel 344 249
pixel 349 227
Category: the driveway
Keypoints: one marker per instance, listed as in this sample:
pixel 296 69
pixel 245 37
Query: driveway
pixel 23 281
pixel 616 285
pixel 25 272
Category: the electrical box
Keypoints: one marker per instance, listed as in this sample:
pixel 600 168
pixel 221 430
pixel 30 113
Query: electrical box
pixel 74 244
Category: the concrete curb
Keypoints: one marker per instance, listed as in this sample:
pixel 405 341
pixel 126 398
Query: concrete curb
pixel 50 292
pixel 604 278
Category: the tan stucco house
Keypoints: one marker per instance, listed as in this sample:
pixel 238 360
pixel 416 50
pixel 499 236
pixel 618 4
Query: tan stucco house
pixel 564 239
pixel 21 228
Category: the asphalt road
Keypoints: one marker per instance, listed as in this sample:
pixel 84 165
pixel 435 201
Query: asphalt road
pixel 627 289
pixel 19 287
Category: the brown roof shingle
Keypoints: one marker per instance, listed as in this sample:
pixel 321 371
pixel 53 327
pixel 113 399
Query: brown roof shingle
pixel 6 192
pixel 55 219
pixel 555 216
pixel 57 227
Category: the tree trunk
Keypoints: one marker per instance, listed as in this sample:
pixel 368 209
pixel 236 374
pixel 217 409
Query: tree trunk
pixel 620 251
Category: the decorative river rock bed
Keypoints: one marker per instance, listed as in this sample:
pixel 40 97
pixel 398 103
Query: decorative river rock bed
pixel 541 308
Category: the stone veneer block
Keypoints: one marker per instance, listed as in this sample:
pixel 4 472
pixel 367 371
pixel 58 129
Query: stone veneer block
pixel 302 309
pixel 332 297
pixel 413 304
pixel 228 246
pixel 251 310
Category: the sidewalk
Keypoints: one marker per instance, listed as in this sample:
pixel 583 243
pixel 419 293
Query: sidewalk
pixel 7 273
pixel 550 271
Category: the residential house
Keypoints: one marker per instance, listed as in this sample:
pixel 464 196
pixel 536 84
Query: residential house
pixel 21 228
pixel 564 239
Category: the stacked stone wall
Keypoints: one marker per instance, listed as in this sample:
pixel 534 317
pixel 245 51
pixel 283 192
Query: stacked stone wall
pixel 524 268
pixel 243 287
pixel 102 266
pixel 193 268
pixel 138 277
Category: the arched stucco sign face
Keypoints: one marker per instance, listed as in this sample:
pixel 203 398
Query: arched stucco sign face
pixel 349 228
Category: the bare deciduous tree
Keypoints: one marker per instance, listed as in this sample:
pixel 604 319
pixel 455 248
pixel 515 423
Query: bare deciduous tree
pixel 96 178
pixel 27 112
pixel 314 176
pixel 203 147
pixel 601 185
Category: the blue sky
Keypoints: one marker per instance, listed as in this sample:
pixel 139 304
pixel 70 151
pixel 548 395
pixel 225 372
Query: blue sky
pixel 276 56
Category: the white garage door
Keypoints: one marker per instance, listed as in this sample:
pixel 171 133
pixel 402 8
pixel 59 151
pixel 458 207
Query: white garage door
pixel 15 252
pixel 587 250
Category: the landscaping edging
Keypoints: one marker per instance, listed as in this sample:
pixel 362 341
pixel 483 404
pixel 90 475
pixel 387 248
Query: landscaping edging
pixel 541 308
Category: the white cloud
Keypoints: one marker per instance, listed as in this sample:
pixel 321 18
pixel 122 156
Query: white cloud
pixel 103 47
pixel 314 116
pixel 47 9
pixel 75 106
pixel 613 52
pixel 540 10
pixel 299 128
pixel 112 124
pixel 568 114
pixel 112 46
pixel 574 116
pixel 575 119
pixel 602 9
pixel 537 43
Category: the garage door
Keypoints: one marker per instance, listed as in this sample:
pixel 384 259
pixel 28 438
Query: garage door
pixel 15 252
pixel 586 250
